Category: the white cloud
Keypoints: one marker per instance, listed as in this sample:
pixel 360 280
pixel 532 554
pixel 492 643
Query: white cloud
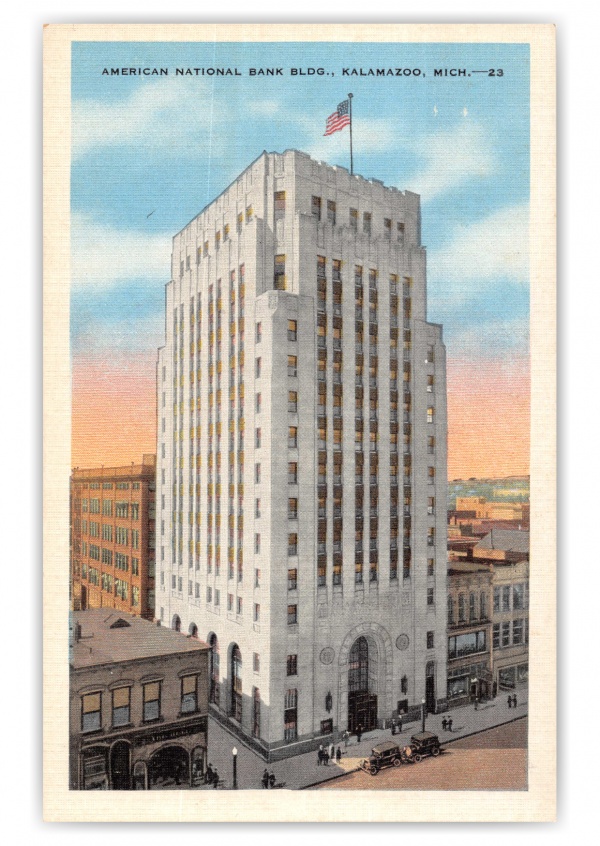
pixel 102 255
pixel 167 114
pixel 368 136
pixel 263 108
pixel 461 154
pixel 495 247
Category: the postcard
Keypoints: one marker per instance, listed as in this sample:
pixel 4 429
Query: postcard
pixel 299 394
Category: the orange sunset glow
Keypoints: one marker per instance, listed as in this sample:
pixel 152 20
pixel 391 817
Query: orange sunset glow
pixel 114 415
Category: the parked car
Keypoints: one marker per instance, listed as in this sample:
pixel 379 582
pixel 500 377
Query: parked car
pixel 384 755
pixel 422 745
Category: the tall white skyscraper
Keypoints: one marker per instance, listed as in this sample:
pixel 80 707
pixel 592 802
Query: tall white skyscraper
pixel 301 454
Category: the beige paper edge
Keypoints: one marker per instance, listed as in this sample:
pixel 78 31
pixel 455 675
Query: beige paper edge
pixel 538 803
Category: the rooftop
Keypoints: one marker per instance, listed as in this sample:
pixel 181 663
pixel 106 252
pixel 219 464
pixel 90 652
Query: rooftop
pixel 146 468
pixel 506 540
pixel 110 637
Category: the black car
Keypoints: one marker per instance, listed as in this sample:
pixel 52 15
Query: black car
pixel 423 744
pixel 383 755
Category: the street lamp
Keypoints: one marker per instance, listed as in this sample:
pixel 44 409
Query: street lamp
pixel 422 715
pixel 234 753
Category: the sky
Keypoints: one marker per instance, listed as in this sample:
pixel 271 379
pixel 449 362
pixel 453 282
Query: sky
pixel 149 152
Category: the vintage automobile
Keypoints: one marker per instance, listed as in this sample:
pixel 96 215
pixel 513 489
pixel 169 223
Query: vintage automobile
pixel 384 755
pixel 422 745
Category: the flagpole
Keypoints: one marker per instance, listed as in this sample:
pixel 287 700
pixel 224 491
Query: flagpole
pixel 351 160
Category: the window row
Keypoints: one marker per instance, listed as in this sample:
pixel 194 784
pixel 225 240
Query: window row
pixel 510 633
pixel 330 208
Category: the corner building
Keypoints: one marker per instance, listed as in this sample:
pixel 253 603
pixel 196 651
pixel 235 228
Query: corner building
pixel 302 455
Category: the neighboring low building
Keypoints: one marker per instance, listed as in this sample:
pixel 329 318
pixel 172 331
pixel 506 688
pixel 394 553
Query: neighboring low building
pixel 138 704
pixel 507 552
pixel 113 537
pixel 469 632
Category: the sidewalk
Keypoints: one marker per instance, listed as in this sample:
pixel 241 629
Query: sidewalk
pixel 303 771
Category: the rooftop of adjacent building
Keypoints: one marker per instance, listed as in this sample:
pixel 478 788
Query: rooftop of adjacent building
pixel 146 469
pixel 506 540
pixel 289 152
pixel 462 568
pixel 103 636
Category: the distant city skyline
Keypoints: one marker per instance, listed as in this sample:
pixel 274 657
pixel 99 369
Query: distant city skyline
pixel 150 152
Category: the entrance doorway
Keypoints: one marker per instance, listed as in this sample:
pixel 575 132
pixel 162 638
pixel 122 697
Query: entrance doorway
pixel 430 687
pixel 362 698
pixel 169 768
pixel 119 766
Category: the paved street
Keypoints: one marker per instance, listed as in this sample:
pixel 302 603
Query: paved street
pixel 303 771
pixel 495 759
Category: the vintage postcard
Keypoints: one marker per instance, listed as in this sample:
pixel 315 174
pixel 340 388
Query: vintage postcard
pixel 299 423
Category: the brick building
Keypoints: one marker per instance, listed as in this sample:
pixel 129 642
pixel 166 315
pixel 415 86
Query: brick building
pixel 138 715
pixel 113 537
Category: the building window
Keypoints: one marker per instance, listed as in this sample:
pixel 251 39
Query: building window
pixel 257 543
pixel 258 333
pixel 292 473
pixel 293 402
pixel 293 544
pixel 291 715
pixel 279 273
pixel 430 354
pixel 135 595
pixel 430 383
pixel 431 505
pixel 209 593
pixel 518 593
pixel 431 536
pixel 189 694
pixel 354 219
pixel 256 613
pixel 240 605
pixel 257 368
pixel 430 596
pixel 292 508
pixel 256 578
pixel 292 579
pixel 517 632
pixel 430 445
pixel 292 330
pixel 316 207
pixel 431 475
pixel 257 438
pixel 331 212
pixel 236 683
pixel 292 365
pixel 461 608
pixel 496 636
pixel 496 600
pixel 258 403
pixel 257 508
pixel 292 615
pixel 430 566
pixel 256 662
pixel 230 602
pixel 151 701
pixel 292 665
pixel 387 228
pixel 279 203
pixel 430 640
pixel 367 223
pixel 257 474
pixel 505 634
pixel 91 712
pixel 506 598
pixel 482 606
pixel 450 611
pixel 472 615
pixel 430 414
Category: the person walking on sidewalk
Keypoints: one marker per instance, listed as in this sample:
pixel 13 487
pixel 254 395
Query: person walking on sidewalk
pixel 444 723
pixel 331 752
pixel 358 733
pixel 272 779
pixel 338 755
pixel 399 727
pixel 450 724
pixel 346 738
pixel 510 701
pixel 265 780
pixel 515 701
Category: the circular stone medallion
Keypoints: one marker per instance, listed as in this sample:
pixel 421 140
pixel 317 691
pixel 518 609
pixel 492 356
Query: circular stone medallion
pixel 327 655
pixel 402 642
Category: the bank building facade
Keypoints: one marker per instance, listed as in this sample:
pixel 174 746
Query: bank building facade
pixel 301 455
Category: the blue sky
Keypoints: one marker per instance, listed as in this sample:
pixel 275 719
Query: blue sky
pixel 169 145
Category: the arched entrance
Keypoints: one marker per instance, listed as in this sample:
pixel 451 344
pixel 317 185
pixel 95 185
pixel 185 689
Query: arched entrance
pixel 193 631
pixel 119 766
pixel 176 624
pixel 169 768
pixel 214 669
pixel 362 686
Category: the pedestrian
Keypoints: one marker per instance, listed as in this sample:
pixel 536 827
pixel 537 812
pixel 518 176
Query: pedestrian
pixel 450 724
pixel 515 701
pixel 444 723
pixel 399 724
pixel 325 757
pixel 209 774
pixel 265 780
pixel 321 750
pixel 510 701
pixel 358 733
pixel 338 755
pixel 476 701
pixel 393 726
pixel 346 738
pixel 272 779
pixel 331 751
pixel 215 779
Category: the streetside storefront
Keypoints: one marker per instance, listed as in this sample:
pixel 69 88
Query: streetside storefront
pixel 158 758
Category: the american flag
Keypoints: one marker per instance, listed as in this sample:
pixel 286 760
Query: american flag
pixel 339 119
